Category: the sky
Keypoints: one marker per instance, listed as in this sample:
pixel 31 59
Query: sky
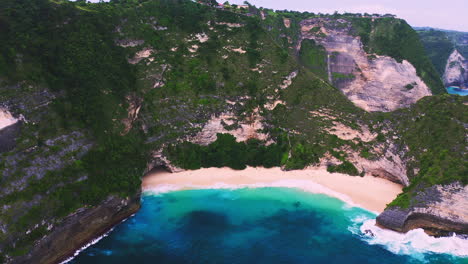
pixel 444 14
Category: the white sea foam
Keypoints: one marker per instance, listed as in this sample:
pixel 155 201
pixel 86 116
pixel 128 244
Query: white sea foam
pixel 415 242
pixel 94 241
pixel 298 184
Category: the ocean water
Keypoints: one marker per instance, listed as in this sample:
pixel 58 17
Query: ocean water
pixel 261 225
pixel 457 90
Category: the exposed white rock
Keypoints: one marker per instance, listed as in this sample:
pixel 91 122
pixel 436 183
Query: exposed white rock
pixel 129 43
pixel 246 129
pixel 271 106
pixel 158 84
pixel 239 50
pixel 378 84
pixel 193 48
pixel 6 119
pixel 140 55
pixel 134 106
pixel 287 22
pixel 230 25
pixel 159 28
pixel 382 85
pixel 452 205
pixel 347 133
pixel 388 166
pixel 439 209
pixel 202 37
pixel 288 80
pixel 323 114
pixel 456 70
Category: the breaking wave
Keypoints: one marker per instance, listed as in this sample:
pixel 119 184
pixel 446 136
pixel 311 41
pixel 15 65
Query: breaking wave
pixel 416 242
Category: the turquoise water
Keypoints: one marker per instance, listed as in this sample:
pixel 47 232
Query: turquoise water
pixel 263 225
pixel 456 90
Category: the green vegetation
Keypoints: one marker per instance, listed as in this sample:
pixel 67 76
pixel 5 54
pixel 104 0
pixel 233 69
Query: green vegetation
pixel 410 86
pixel 438 47
pixel 395 38
pixel 226 152
pixel 338 75
pixel 345 167
pixel 314 57
pixel 434 132
pixel 66 62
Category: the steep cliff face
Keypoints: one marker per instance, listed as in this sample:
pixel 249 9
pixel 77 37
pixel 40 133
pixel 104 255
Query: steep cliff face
pixel 103 90
pixel 440 210
pixel 456 70
pixel 80 228
pixel 372 82
pixel 440 44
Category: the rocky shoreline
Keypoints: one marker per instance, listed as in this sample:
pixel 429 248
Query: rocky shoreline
pixel 439 210
pixel 83 226
pixel 435 216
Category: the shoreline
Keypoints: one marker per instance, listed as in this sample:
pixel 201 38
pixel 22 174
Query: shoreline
pixel 368 192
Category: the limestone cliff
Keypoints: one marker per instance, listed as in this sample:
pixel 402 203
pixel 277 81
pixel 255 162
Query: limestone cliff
pixel 79 228
pixel 372 82
pixel 441 210
pixel 456 70
pixel 99 97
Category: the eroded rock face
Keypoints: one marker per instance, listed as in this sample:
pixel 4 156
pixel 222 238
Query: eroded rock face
pixel 228 123
pixel 389 162
pixel 373 83
pixel 439 210
pixel 456 71
pixel 82 226
pixel 6 119
pixel 9 129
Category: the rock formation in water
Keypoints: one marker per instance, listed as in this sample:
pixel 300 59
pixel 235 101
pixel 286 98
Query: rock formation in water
pixel 456 71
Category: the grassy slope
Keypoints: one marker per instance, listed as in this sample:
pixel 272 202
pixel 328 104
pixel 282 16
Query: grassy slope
pixel 80 61
pixel 438 47
pixel 433 129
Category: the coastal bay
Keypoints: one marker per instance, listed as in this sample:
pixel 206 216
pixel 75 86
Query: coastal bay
pixel 369 192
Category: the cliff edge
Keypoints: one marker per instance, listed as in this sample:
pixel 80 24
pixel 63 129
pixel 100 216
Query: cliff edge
pixel 440 210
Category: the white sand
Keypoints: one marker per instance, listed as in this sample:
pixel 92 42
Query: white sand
pixel 368 192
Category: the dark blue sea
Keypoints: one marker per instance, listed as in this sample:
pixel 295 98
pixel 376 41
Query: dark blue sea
pixel 261 225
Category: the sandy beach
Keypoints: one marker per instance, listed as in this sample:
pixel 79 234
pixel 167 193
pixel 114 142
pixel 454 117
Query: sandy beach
pixel 367 192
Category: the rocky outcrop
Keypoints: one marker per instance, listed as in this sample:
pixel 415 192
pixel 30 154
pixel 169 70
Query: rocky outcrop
pixel 6 119
pixel 456 71
pixel 439 210
pixel 228 123
pixel 9 129
pixel 79 229
pixel 388 160
pixel 372 82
